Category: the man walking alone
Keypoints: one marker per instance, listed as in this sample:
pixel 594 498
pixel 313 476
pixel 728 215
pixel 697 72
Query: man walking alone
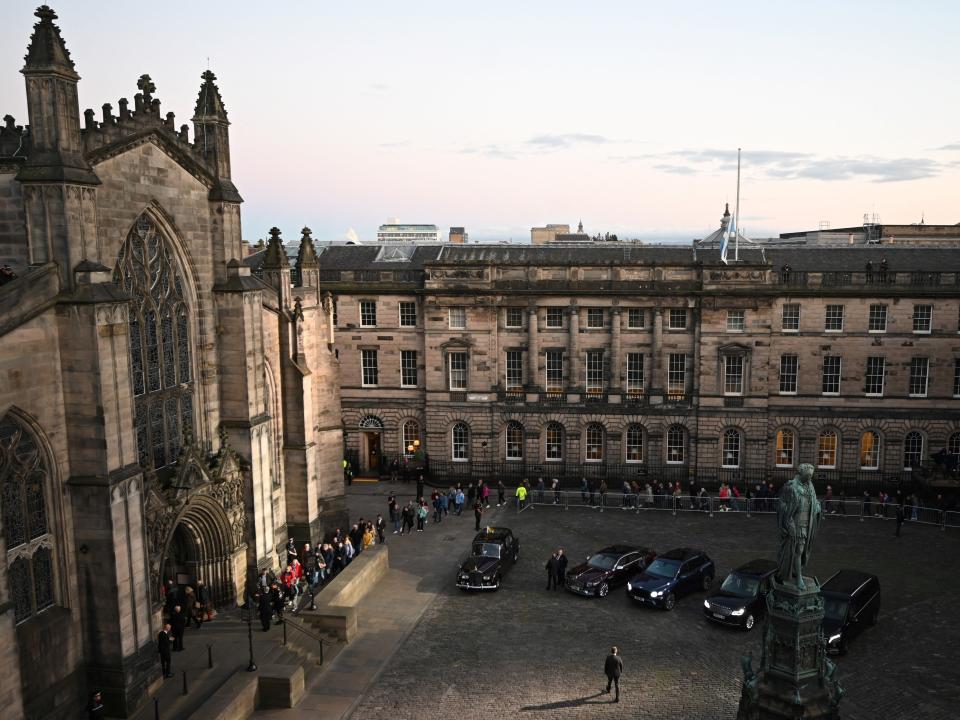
pixel 613 668
pixel 551 568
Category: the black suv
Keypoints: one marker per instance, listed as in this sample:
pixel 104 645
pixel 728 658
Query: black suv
pixel 607 568
pixel 851 602
pixel 742 597
pixel 494 551
pixel 671 575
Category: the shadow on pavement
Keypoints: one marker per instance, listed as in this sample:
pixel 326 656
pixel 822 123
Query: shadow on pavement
pixel 575 702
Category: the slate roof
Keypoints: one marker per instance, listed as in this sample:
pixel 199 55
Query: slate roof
pixel 612 254
pixel 854 258
pixel 350 257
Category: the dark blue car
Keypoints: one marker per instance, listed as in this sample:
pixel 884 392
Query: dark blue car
pixel 670 576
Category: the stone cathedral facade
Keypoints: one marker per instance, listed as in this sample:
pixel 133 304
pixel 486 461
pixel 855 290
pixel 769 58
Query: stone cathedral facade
pixel 163 413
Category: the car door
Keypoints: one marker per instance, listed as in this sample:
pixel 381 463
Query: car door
pixel 855 614
pixel 624 569
pixel 687 577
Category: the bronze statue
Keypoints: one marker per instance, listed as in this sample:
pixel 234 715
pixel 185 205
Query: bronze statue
pixel 798 518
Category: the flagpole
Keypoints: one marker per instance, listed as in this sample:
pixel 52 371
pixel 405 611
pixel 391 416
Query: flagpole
pixel 736 216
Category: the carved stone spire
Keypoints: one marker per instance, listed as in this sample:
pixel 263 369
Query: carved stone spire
pixel 276 257
pixel 211 136
pixel 209 102
pixel 47 51
pixel 307 256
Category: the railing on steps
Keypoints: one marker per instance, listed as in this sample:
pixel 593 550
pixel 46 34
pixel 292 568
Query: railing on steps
pixel 302 630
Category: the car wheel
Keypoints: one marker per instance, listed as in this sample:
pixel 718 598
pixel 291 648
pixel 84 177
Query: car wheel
pixel 670 602
pixel 751 621
pixel 603 590
pixel 707 582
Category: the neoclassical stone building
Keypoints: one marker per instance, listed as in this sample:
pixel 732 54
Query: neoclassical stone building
pixel 163 413
pixel 651 362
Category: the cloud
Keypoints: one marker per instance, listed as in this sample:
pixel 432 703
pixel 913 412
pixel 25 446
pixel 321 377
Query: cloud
pixel 788 165
pixel 498 152
pixel 951 146
pixel 396 144
pixel 567 140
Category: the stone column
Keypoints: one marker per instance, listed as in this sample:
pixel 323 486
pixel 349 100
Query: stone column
pixel 573 378
pixel 533 347
pixel 615 351
pixel 655 383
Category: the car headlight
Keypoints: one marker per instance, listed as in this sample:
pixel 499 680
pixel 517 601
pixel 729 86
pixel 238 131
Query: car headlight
pixel 739 611
pixel 834 638
pixel 706 604
pixel 656 593
pixel 629 587
pixel 486 577
pixel 593 583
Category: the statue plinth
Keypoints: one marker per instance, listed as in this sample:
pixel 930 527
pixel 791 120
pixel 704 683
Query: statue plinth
pixel 796 679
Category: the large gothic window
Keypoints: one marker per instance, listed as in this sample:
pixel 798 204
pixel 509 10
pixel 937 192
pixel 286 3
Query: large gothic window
pixel 24 478
pixel 160 362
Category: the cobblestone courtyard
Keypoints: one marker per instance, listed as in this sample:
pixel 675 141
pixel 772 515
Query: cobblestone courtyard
pixel 527 652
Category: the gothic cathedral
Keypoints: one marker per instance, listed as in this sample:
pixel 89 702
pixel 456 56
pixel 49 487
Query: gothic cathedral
pixel 164 413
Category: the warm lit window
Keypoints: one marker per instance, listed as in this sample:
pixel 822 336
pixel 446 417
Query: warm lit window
pixel 676 444
pixel 408 368
pixel 595 318
pixel 457 362
pixel 368 313
pixel 789 367
pixel 912 450
pixel 635 319
pixel 554 317
pixel 678 319
pixel 370 371
pixel 514 318
pixel 635 373
pixel 460 442
pixel 831 375
pixel 877 322
pixel 676 375
pixel 411 437
pixel 733 375
pixel 514 441
pixel 869 450
pixel 514 375
pixel 554 442
pixel 833 321
pixel 594 371
pixel 730 455
pixel 634 444
pixel 785 448
pixel 790 319
pixel 554 370
pixel 827 449
pixel 594 442
pixel 408 314
pixel 919 373
pixel 922 318
pixel 457 318
pixel 736 320
pixel 873 377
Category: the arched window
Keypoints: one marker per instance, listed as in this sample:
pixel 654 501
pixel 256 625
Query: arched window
pixel 514 441
pixel 460 442
pixel 785 446
pixel 554 442
pixel 594 442
pixel 676 445
pixel 912 450
pixel 160 360
pixel 869 450
pixel 953 447
pixel 827 449
pixel 274 443
pixel 730 457
pixel 634 446
pixel 411 437
pixel 24 482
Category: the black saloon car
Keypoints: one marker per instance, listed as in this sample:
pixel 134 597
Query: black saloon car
pixel 851 602
pixel 671 575
pixel 742 597
pixel 607 568
pixel 494 551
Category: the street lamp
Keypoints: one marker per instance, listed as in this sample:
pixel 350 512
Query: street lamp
pixel 252 667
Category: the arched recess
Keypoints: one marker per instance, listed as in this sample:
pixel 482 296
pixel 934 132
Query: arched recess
pixel 275 424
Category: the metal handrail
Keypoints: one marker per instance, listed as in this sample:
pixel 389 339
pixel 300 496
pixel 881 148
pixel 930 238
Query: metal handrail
pixel 298 626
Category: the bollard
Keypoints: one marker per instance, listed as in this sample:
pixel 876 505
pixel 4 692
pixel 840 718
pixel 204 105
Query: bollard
pixel 156 709
pixel 209 656
pixel 185 682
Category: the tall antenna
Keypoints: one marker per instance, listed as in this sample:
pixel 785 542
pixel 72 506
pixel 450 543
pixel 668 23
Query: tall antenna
pixel 736 215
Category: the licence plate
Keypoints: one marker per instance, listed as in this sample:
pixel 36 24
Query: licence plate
pixel 718 616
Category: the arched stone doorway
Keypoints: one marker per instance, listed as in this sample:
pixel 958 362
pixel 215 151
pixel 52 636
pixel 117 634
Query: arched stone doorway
pixel 371 445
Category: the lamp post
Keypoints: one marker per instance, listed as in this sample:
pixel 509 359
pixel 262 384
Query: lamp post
pixel 252 667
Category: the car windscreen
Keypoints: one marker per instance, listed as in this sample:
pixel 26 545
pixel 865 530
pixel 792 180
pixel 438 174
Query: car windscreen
pixel 491 550
pixel 834 608
pixel 663 568
pixel 603 562
pixel 741 585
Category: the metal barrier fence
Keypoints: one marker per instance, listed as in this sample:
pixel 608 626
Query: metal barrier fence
pixel 713 504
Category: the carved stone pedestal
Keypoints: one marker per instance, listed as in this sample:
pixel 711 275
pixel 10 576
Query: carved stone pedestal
pixel 796 679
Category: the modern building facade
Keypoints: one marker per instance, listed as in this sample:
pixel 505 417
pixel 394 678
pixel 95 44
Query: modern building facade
pixel 163 412
pixel 395 232
pixel 651 361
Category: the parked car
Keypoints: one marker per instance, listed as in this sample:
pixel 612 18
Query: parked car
pixel 607 568
pixel 742 598
pixel 493 551
pixel 671 575
pixel 851 602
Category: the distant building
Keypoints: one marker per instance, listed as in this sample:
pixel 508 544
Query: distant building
pixel 876 233
pixel 458 236
pixel 547 234
pixel 394 232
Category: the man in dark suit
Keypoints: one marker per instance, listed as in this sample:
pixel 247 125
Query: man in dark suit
pixel 178 623
pixel 613 668
pixel 561 569
pixel 551 568
pixel 163 646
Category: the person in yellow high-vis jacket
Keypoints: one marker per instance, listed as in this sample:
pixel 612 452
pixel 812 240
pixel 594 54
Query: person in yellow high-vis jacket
pixel 521 496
